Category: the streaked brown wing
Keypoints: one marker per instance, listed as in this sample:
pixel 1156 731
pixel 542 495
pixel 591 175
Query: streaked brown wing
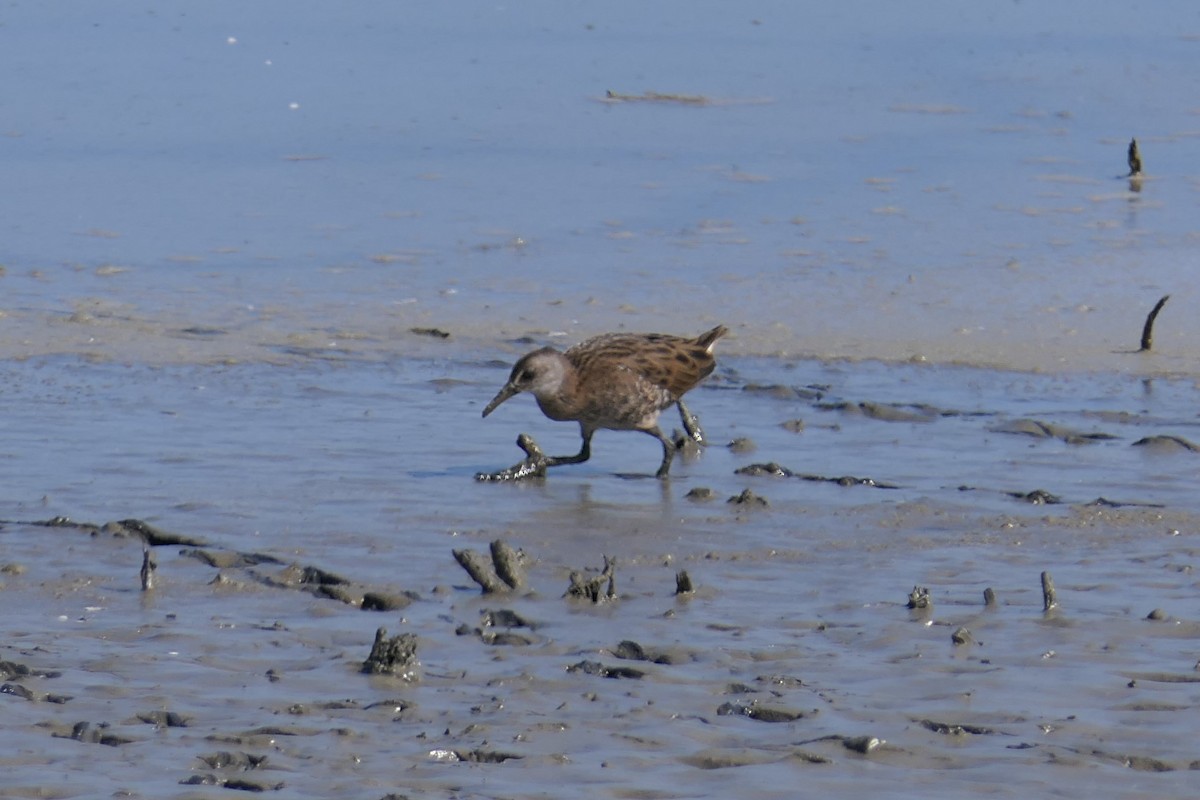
pixel 672 362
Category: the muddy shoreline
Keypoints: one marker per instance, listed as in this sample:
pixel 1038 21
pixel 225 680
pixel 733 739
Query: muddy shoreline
pixel 581 687
pixel 793 651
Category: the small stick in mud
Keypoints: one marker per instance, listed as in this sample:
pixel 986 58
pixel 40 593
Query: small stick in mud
pixel 989 597
pixel 1134 157
pixel 1148 328
pixel 1049 598
pixel 148 568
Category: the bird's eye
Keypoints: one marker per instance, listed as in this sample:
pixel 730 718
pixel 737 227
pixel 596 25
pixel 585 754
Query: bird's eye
pixel 525 377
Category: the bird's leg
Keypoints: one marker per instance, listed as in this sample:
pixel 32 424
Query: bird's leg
pixel 585 452
pixel 691 423
pixel 668 451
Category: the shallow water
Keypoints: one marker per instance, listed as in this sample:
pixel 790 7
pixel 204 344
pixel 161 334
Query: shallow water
pixel 917 229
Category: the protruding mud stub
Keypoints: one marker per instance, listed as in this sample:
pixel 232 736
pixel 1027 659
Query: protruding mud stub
pixel 956 729
pixel 495 638
pixel 473 756
pixel 490 620
pixel 1167 444
pixel 1133 157
pixel 742 444
pixel 10 669
pixel 748 499
pixel 227 559
pixel 148 568
pixel 509 564
pixel 862 744
pixel 885 412
pixel 683 583
pixel 150 534
pixel 385 601
pixel 481 571
pixel 770 469
pixel 433 333
pixel 98 733
pixel 603 671
pixel 1038 497
pixel 225 759
pixel 761 713
pixel 1048 430
pixel 629 650
pixel 126 528
pixel 598 588
pixel 849 480
pixel 611 96
pixel 395 656
pixel 163 719
pixel 504 572
pixel 919 599
pixel 504 618
pixel 989 597
pixel 1049 596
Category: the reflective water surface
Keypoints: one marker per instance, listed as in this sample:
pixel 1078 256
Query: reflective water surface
pixel 269 262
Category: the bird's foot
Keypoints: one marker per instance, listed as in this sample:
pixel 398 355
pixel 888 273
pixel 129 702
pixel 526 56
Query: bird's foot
pixel 523 470
pixel 532 466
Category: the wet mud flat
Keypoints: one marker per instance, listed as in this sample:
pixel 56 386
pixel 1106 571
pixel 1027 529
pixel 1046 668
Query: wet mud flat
pixel 742 627
pixel 247 672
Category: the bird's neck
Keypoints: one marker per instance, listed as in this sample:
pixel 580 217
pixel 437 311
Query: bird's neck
pixel 561 401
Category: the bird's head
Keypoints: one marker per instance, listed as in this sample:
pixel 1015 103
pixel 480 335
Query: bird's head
pixel 541 373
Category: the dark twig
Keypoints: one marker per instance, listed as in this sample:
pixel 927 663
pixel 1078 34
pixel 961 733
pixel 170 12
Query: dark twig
pixel 1148 328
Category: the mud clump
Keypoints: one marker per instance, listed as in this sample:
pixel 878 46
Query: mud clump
pixel 395 656
pixel 504 572
pixel 598 588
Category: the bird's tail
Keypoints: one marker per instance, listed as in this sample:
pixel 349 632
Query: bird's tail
pixel 707 340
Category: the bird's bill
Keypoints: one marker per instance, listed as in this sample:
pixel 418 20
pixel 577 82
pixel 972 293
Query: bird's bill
pixel 508 391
